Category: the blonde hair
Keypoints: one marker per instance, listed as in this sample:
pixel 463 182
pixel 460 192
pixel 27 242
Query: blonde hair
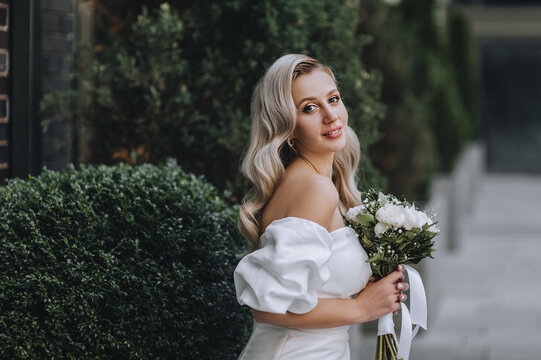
pixel 274 118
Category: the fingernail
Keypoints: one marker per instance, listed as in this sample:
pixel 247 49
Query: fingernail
pixel 400 267
pixel 400 286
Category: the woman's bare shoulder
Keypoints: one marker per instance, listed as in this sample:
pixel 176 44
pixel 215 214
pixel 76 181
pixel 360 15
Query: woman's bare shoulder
pixel 310 196
pixel 304 194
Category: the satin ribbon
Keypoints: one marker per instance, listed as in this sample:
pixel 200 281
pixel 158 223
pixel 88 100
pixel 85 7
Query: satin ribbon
pixel 417 316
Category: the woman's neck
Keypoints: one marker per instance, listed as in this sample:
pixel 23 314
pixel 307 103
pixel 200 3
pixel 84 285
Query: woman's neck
pixel 320 164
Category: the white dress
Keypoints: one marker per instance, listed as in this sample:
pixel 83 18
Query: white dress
pixel 300 261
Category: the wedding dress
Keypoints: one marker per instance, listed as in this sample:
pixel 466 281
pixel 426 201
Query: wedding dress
pixel 300 261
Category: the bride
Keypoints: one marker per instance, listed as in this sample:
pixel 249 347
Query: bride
pixel 306 279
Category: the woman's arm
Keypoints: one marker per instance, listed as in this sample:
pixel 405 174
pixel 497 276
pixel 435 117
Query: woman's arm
pixel 376 300
pixel 316 199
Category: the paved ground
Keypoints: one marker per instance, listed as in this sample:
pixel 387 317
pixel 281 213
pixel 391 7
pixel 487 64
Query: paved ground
pixel 488 303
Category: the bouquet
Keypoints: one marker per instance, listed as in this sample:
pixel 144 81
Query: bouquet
pixel 394 232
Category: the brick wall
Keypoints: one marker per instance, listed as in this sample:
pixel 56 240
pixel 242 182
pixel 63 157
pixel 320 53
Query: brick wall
pixel 4 89
pixel 56 59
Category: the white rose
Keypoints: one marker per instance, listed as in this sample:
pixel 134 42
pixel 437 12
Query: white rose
pixel 410 220
pixel 354 211
pixel 392 215
pixel 380 228
pixel 415 218
pixel 423 218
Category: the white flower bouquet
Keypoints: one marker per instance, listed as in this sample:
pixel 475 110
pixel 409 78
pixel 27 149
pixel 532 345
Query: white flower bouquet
pixel 394 232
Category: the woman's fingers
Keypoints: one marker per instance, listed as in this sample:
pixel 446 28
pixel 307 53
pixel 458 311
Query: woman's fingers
pixel 402 286
pixel 401 298
pixel 396 276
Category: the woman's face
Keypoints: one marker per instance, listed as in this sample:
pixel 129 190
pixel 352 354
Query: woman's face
pixel 322 118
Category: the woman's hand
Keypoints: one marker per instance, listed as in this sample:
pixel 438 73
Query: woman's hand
pixel 377 299
pixel 382 297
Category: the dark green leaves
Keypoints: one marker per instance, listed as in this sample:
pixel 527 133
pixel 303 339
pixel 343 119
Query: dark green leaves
pixel 118 263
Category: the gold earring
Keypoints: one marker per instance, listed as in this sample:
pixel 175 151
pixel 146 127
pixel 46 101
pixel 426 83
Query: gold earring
pixel 290 143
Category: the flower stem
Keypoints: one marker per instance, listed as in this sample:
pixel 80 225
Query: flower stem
pixel 390 348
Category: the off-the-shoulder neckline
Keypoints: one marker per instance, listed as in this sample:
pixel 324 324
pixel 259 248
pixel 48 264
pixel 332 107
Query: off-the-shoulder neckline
pixel 303 219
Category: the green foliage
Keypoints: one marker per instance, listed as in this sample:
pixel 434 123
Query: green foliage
pixel 429 118
pixel 179 82
pixel 118 263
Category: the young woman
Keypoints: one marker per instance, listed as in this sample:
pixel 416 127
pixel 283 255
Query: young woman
pixel 304 277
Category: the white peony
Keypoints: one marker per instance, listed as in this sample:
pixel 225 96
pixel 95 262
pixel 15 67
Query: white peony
pixel 380 228
pixel 392 215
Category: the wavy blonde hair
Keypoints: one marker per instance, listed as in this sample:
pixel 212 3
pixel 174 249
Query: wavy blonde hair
pixel 274 117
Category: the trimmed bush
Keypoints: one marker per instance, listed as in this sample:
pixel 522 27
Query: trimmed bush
pixel 118 263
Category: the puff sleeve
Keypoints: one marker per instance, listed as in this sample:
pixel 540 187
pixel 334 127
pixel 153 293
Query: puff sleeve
pixel 288 270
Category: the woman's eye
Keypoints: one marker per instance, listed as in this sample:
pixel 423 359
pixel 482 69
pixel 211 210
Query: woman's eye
pixel 334 99
pixel 309 108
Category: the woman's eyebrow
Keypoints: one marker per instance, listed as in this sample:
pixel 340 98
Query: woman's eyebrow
pixel 314 98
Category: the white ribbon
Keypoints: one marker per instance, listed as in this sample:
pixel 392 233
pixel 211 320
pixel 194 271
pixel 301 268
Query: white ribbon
pixel 417 316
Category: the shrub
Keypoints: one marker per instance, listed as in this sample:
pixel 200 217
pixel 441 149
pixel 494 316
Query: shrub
pixel 118 263
pixel 177 82
pixel 429 117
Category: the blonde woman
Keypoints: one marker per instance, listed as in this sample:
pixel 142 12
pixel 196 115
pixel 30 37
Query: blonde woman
pixel 306 279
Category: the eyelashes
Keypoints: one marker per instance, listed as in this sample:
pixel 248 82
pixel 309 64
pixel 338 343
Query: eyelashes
pixel 311 108
pixel 334 99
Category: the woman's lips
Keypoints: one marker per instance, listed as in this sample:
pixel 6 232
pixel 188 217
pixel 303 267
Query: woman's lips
pixel 333 134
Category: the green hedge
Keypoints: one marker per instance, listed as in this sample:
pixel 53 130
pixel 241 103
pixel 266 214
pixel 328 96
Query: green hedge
pixel 176 80
pixel 118 263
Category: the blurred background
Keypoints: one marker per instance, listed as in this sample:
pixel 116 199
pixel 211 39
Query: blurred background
pixel 444 95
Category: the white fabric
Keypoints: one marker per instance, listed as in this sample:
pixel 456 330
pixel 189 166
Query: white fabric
pixel 300 261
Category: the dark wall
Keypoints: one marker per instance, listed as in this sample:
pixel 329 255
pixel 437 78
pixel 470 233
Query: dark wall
pixel 56 60
pixel 4 89
pixel 35 58
pixel 511 78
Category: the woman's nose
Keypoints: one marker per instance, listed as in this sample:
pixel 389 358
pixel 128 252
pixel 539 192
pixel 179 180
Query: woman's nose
pixel 330 114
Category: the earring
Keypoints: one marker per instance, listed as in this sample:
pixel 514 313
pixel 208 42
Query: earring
pixel 290 143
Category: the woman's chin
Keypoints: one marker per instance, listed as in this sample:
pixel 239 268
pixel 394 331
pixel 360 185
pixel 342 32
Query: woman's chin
pixel 339 145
